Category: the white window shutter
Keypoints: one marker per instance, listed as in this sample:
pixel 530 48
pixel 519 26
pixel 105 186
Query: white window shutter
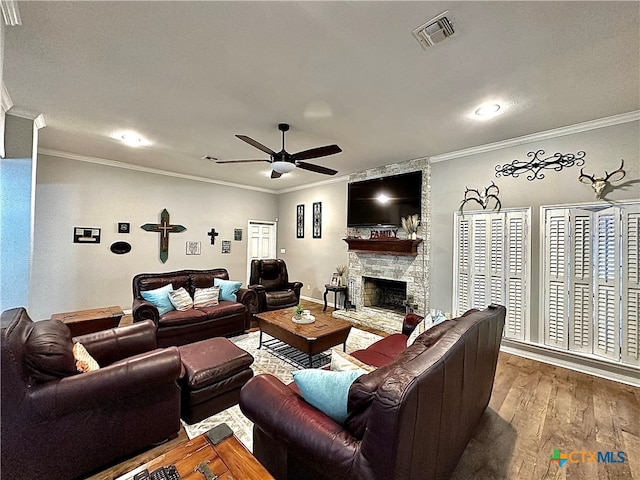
pixel 607 284
pixel 630 342
pixel 516 275
pixel 580 288
pixel 462 267
pixel 480 261
pixel 555 280
pixel 497 257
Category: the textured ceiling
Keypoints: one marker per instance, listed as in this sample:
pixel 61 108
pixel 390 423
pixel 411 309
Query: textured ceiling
pixel 190 75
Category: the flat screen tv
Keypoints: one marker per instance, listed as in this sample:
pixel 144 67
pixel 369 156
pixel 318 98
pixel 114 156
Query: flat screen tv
pixel 380 202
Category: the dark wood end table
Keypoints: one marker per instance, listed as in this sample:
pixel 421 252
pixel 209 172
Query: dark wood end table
pixel 335 289
pixel 90 321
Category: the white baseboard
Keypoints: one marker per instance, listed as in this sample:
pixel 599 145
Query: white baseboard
pixel 310 299
pixel 592 366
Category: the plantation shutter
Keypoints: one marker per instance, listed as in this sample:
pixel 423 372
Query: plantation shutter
pixel 463 273
pixel 580 290
pixel 480 262
pixel 607 285
pixel 631 290
pixel 516 286
pixel 491 265
pixel 555 286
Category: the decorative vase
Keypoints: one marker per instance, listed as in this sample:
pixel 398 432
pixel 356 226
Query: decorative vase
pixel 413 236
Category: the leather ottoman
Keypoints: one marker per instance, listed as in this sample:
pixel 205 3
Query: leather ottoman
pixel 214 372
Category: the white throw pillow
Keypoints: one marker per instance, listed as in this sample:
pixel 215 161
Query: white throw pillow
pixel 84 361
pixel 425 324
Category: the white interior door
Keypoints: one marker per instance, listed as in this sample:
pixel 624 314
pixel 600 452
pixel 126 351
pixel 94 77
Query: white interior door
pixel 262 242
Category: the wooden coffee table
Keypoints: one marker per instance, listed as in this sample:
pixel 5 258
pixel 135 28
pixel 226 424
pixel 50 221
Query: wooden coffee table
pixel 308 339
pixel 229 460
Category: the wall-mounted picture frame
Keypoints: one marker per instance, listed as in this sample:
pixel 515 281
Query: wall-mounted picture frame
pixel 124 227
pixel 226 246
pixel 300 221
pixel 193 248
pixel 86 235
pixel 237 234
pixel 317 220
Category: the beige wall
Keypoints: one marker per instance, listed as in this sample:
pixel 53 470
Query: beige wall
pixel 313 260
pixel 68 276
pixel 604 148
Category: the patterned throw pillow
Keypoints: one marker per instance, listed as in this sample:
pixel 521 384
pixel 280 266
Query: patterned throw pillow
pixel 181 299
pixel 424 325
pixel 341 361
pixel 206 297
pixel 84 361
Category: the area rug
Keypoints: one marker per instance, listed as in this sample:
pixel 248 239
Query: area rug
pixel 264 362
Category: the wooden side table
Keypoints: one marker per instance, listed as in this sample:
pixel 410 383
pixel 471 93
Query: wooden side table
pixel 90 321
pixel 335 289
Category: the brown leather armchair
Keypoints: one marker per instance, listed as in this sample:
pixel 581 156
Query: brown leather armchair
pixel 410 419
pixel 60 424
pixel 270 280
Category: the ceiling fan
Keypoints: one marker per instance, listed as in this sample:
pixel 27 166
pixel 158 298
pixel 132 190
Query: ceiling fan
pixel 284 162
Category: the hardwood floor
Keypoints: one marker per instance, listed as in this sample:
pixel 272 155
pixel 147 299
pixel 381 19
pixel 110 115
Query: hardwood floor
pixel 534 409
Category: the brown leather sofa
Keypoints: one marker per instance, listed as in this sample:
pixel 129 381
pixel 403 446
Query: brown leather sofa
pixel 270 280
pixel 60 424
pixel 410 419
pixel 182 327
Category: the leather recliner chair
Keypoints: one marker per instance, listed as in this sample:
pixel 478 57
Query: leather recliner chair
pixel 60 424
pixel 270 280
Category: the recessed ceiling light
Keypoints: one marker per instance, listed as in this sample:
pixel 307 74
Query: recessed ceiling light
pixel 488 110
pixel 132 139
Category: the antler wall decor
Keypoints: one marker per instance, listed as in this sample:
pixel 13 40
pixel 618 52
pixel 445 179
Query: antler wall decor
pixel 600 184
pixel 536 165
pixel 482 198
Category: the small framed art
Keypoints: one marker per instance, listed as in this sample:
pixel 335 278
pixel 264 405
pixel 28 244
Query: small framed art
pixel 193 248
pixel 300 221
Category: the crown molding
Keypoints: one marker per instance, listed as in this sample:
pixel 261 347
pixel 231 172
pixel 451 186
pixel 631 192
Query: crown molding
pixel 536 137
pixel 139 168
pixel 5 98
pixel 307 186
pixel 10 12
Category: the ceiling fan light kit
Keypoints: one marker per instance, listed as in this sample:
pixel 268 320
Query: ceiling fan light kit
pixel 285 162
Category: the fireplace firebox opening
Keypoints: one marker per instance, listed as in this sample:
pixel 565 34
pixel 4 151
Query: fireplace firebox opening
pixel 385 294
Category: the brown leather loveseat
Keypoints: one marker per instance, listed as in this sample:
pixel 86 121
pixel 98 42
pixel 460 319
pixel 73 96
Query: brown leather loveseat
pixel 59 424
pixel 410 419
pixel 181 327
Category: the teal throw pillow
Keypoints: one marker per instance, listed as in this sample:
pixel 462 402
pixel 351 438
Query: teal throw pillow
pixel 228 289
pixel 160 298
pixel 327 390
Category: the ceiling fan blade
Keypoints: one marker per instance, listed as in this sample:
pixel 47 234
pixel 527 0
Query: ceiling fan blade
pixel 316 168
pixel 317 152
pixel 243 161
pixel 275 174
pixel 258 145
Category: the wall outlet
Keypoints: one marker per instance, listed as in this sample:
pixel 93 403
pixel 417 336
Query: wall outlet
pixel 282 250
pixel 308 287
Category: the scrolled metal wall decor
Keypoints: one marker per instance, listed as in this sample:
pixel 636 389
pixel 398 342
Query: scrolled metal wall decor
pixel 537 164
pixel 482 198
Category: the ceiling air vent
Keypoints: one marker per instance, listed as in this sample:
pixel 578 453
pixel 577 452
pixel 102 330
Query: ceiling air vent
pixel 434 31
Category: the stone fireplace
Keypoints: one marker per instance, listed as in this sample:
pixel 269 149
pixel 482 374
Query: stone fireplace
pixel 410 270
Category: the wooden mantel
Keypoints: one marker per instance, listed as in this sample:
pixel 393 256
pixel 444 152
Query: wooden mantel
pixel 384 246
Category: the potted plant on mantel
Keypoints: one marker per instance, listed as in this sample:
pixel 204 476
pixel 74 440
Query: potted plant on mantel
pixel 410 225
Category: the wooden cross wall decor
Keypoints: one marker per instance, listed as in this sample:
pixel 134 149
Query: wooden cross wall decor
pixel 164 229
pixel 213 234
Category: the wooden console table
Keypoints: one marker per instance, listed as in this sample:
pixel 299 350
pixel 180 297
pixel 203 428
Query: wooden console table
pixel 89 321
pixel 229 459
pixel 384 246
